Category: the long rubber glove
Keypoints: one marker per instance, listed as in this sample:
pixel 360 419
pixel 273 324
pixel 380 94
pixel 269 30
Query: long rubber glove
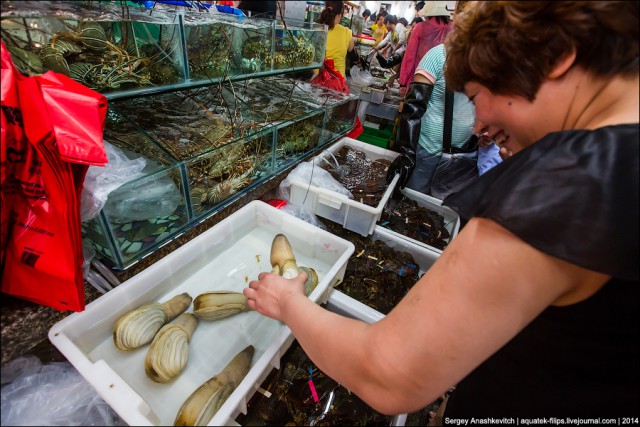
pixel 393 60
pixel 413 108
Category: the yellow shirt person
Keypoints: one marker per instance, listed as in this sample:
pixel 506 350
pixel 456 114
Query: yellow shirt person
pixel 338 39
pixel 379 30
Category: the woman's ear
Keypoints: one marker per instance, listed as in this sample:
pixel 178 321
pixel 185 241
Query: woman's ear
pixel 563 65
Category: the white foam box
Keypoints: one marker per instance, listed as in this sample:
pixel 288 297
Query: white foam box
pixel 336 207
pixel 225 257
pixel 451 218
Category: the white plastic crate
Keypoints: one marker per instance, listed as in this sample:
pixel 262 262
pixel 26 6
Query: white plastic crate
pixel 336 207
pixel 226 257
pixel 423 257
pixel 451 218
pixel 345 306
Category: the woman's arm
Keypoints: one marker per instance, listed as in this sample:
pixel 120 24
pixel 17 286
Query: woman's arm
pixel 385 41
pixel 485 287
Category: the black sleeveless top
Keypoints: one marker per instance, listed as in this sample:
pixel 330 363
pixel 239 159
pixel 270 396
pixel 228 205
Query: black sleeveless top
pixel 573 195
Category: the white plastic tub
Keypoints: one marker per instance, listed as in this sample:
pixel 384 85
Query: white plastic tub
pixel 451 218
pixel 226 257
pixel 345 306
pixel 336 207
pixel 422 255
pixel 424 258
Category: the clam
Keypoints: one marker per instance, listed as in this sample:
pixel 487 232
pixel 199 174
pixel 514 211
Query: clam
pixel 169 351
pixel 283 262
pixel 216 305
pixel 203 403
pixel 312 279
pixel 138 327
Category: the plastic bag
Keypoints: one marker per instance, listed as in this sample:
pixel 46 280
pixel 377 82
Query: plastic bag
pixel 146 198
pixel 310 173
pixel 329 77
pixel 51 131
pixel 303 213
pixel 100 181
pixel 34 394
pixel 361 77
pixel 454 172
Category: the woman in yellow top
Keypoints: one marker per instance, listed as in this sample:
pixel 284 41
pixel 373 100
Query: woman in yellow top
pixel 379 30
pixel 339 38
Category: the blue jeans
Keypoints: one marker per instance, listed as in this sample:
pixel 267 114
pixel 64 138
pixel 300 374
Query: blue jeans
pixel 426 163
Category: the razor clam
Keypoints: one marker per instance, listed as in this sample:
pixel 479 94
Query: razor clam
pixel 216 305
pixel 312 279
pixel 283 262
pixel 138 327
pixel 169 351
pixel 203 403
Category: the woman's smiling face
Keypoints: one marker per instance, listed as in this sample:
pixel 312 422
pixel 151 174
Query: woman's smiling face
pixel 501 117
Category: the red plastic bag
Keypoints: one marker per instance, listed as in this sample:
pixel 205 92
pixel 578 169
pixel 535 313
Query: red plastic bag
pixel 331 78
pixel 51 131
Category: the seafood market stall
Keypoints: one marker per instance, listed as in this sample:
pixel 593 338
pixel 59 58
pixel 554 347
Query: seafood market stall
pixel 207 106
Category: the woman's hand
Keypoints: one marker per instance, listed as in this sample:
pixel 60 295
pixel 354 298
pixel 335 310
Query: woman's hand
pixel 270 294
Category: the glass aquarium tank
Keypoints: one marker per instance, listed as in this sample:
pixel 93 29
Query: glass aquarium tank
pixel 107 47
pixel 218 177
pixel 298 44
pixel 139 217
pixel 220 46
pixel 219 139
pixel 297 138
pixel 299 123
pixel 185 98
pixel 148 210
pixel 191 122
pixel 341 108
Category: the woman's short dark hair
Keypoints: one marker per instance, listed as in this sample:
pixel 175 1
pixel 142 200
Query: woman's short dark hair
pixel 510 47
pixel 403 21
pixel 391 19
pixel 331 10
pixel 366 13
pixel 416 20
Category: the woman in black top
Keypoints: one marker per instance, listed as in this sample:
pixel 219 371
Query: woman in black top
pixel 532 310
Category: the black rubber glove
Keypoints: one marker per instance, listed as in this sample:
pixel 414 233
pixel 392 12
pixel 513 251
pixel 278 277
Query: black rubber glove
pixel 413 108
pixel 392 61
